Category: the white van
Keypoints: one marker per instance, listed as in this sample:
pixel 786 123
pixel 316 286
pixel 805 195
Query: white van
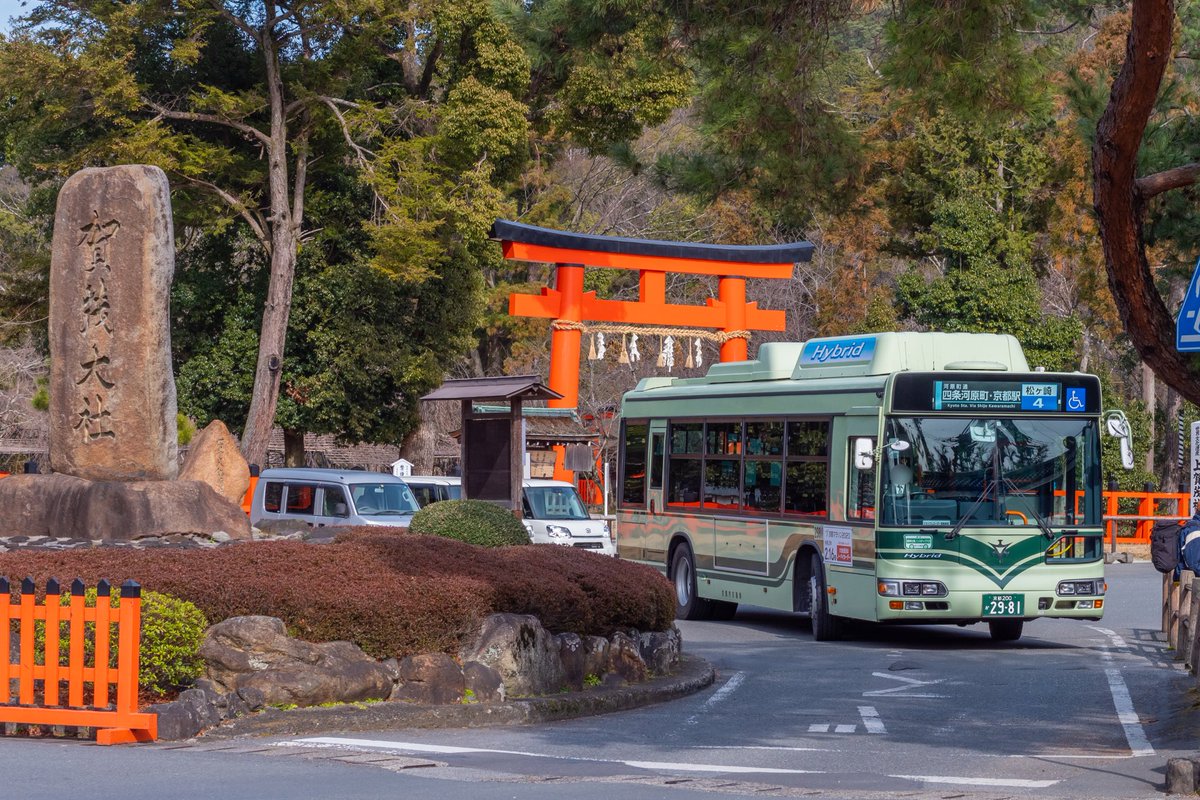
pixel 328 497
pixel 553 510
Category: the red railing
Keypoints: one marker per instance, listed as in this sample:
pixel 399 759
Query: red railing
pixel 1121 526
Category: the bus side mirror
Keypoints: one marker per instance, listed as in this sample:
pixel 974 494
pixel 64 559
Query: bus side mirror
pixel 1117 424
pixel 864 453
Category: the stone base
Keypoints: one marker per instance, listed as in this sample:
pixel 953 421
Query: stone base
pixel 113 511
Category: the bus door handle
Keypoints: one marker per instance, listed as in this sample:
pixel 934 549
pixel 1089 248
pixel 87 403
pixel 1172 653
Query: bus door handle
pixel 653 512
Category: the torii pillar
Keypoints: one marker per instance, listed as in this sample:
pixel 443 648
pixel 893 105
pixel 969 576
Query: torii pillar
pixel 570 307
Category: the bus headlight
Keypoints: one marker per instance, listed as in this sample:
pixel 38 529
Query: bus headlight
pixel 889 588
pixel 557 531
pixel 1074 588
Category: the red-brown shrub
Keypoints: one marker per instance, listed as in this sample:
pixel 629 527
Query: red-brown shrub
pixel 392 593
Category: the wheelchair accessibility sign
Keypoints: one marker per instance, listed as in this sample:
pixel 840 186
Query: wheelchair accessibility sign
pixel 1187 324
pixel 1076 398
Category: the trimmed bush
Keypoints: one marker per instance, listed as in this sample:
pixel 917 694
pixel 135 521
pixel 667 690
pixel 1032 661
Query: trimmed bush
pixel 390 592
pixel 169 653
pixel 471 521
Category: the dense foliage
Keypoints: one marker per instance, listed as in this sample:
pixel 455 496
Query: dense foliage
pixel 472 521
pixel 393 594
pixel 937 154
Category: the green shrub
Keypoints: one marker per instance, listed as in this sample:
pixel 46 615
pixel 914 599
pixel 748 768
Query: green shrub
pixel 171 633
pixel 471 521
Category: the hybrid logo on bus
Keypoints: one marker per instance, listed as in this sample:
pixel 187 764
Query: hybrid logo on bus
pixel 838 351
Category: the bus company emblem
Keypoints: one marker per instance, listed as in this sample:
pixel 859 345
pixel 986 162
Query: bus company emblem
pixel 1000 548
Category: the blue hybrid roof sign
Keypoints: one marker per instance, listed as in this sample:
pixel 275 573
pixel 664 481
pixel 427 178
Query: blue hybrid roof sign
pixel 1187 324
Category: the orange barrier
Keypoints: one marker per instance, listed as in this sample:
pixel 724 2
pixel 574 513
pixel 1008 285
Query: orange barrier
pixel 249 495
pixel 39 685
pixel 1151 507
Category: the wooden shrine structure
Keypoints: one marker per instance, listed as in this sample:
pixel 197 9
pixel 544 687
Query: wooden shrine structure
pixel 570 307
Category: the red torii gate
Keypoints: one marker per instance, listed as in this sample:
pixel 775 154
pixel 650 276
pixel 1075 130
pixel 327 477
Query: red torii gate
pixel 569 306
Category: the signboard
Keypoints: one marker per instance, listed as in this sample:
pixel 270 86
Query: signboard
pixel 839 546
pixel 1187 324
pixel 998 396
pixel 1195 470
pixel 852 350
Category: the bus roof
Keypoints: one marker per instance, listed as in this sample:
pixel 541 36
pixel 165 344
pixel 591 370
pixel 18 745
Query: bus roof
pixel 874 354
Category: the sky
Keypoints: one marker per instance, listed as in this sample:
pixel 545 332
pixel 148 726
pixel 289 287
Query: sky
pixel 9 8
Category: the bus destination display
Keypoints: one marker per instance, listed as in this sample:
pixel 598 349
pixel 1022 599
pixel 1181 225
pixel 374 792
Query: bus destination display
pixel 998 396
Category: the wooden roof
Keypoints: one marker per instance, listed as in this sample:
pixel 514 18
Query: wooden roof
pixel 505 387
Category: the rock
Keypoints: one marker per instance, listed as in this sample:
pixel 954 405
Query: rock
pixel 432 679
pixel 112 392
pixel 595 649
pixel 215 459
pixel 573 657
pixel 661 650
pixel 625 658
pixel 244 654
pixel 111 511
pixel 522 651
pixel 483 684
pixel 187 715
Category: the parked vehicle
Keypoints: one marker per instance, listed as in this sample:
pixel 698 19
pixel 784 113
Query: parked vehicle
pixel 327 497
pixel 554 513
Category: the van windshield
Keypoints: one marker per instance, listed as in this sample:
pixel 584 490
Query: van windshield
pixel 382 499
pixel 554 502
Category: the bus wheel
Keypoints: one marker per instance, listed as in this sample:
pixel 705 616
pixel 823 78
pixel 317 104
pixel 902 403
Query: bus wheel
pixel 688 605
pixel 825 626
pixel 1006 630
pixel 723 609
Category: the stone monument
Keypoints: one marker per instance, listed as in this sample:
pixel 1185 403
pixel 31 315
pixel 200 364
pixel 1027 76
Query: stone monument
pixel 113 437
pixel 112 392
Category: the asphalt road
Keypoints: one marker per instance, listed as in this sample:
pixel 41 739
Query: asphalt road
pixel 1073 709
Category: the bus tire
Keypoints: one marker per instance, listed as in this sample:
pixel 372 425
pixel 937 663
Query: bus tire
pixel 723 609
pixel 825 626
pixel 1006 630
pixel 688 604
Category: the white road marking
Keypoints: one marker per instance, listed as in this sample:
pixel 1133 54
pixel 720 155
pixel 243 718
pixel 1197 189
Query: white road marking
pixel 417 747
pixel 816 727
pixel 1135 734
pixel 720 695
pixel 845 729
pixel 1014 783
pixel 871 720
pixel 909 683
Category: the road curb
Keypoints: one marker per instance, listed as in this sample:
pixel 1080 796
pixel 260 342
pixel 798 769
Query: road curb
pixel 694 674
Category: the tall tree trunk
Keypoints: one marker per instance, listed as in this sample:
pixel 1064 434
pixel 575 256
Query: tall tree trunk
pixel 286 216
pixel 1120 197
pixel 293 448
pixel 1148 398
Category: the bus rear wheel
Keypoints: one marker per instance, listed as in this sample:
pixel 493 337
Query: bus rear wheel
pixel 688 605
pixel 825 626
pixel 1006 630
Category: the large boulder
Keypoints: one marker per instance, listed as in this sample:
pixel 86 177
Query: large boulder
pixel 111 511
pixel 431 679
pixel 522 651
pixel 214 458
pixel 244 653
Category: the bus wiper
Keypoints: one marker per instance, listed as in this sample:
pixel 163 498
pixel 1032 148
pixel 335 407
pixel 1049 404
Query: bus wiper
pixel 1041 522
pixel 953 533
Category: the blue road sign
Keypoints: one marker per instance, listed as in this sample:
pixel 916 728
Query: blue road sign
pixel 1187 324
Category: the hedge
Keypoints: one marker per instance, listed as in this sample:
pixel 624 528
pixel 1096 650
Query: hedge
pixel 474 521
pixel 391 592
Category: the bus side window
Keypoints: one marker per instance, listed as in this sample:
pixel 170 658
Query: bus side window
pixel 658 444
pixel 860 489
pixel 633 467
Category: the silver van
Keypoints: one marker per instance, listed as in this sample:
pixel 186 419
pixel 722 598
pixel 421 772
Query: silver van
pixel 328 497
pixel 553 510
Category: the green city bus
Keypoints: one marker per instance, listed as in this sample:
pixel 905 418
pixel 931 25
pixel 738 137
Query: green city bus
pixel 890 477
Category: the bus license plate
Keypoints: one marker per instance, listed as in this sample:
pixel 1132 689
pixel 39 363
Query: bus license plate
pixel 1004 605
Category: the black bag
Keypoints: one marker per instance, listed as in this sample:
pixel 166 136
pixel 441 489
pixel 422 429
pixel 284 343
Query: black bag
pixel 1164 545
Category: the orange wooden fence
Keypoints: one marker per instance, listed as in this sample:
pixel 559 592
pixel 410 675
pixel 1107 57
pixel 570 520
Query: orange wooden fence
pixel 1151 507
pixel 38 686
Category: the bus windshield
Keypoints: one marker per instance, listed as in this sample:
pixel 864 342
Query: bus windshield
pixel 1032 472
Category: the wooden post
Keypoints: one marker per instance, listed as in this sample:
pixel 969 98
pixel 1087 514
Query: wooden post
pixel 516 455
pixel 564 343
pixel 464 445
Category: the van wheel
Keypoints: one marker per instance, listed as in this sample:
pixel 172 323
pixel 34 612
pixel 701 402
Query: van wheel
pixel 1006 630
pixel 688 605
pixel 825 626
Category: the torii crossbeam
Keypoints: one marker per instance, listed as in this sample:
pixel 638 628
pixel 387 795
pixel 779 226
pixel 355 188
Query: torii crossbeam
pixel 569 306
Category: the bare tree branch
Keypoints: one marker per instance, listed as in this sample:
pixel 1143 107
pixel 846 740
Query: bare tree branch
pixel 1175 178
pixel 213 119
pixel 251 215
